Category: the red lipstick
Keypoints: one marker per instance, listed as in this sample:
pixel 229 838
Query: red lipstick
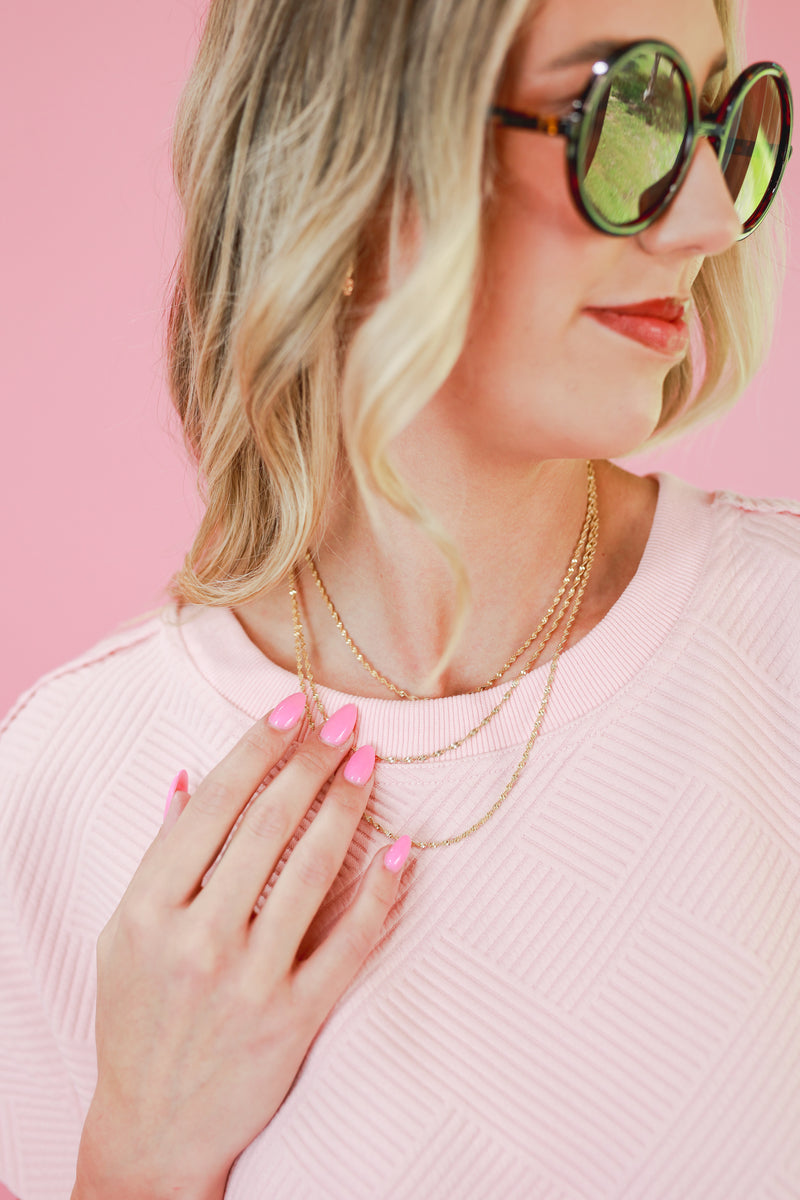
pixel 659 325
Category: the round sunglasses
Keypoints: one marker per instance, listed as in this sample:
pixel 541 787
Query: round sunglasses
pixel 631 136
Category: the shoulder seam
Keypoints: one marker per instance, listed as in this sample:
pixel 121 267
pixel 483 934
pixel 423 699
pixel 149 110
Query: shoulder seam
pixel 123 638
pixel 776 505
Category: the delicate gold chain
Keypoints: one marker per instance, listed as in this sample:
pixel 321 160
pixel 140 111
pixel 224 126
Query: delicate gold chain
pixel 361 658
pixel 305 673
pixel 571 605
pixel 306 677
pixel 579 565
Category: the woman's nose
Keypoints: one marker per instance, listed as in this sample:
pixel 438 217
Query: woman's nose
pixel 701 220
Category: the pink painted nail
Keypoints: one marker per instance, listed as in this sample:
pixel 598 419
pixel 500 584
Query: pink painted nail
pixel 287 714
pixel 360 765
pixel 179 784
pixel 337 729
pixel 396 855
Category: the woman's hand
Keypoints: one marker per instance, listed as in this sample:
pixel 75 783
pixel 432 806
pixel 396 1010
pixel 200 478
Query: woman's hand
pixel 204 1012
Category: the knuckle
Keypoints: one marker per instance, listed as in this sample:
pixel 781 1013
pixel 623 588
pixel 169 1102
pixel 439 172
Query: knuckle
pixel 198 955
pixel 253 1000
pixel 384 891
pixel 314 762
pixel 315 868
pixel 359 940
pixel 265 994
pixel 347 800
pixel 212 798
pixel 259 739
pixel 268 821
pixel 378 894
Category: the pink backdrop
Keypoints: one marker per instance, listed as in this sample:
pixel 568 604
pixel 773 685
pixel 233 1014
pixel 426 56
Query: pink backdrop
pixel 98 505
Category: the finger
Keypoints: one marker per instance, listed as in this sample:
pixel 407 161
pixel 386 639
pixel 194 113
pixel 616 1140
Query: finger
pixel 271 822
pixel 177 799
pixel 327 973
pixel 178 864
pixel 313 864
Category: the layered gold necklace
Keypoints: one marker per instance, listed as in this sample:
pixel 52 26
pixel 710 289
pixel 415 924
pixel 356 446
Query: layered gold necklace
pixel 560 616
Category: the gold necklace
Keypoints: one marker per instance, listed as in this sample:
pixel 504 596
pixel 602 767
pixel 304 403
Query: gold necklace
pixel 304 665
pixel 305 673
pixel 306 677
pixel 575 561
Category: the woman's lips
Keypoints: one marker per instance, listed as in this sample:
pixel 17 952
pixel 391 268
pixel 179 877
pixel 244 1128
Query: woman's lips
pixel 658 324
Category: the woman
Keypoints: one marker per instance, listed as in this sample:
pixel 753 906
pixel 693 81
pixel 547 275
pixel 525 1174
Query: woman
pixel 404 344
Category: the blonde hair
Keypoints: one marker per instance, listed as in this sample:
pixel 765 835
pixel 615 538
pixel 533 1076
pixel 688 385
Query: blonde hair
pixel 301 123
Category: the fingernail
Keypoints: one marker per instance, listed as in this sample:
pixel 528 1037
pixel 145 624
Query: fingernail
pixel 360 765
pixel 337 729
pixel 397 854
pixel 287 714
pixel 179 784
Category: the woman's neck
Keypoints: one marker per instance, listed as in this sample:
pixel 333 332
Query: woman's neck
pixel 515 532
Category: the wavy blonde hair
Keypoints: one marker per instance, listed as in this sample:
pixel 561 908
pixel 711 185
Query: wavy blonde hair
pixel 302 122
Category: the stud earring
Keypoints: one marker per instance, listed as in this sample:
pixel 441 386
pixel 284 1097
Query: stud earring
pixel 350 281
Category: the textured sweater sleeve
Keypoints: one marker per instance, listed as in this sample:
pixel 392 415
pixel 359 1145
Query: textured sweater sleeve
pixel 35 1088
pixel 50 743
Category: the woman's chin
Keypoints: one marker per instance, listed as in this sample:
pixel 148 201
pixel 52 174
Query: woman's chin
pixel 615 440
pixel 628 427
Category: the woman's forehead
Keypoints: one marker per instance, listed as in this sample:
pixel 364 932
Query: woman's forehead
pixel 563 36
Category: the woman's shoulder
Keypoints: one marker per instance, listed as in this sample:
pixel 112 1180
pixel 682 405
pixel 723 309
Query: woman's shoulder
pixel 139 678
pixel 760 532
pixel 780 512
pixel 728 566
pixel 747 597
pixel 103 735
pixel 758 536
pixel 105 671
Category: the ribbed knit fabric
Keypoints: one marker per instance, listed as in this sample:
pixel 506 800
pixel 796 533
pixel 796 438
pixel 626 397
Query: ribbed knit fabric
pixel 595 996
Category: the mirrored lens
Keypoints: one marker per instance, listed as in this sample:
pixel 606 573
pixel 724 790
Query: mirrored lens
pixel 749 152
pixel 636 128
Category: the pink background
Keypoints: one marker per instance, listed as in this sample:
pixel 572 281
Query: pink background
pixel 98 505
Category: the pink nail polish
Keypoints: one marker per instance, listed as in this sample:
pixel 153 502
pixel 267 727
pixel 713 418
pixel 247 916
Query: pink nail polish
pixel 360 765
pixel 396 855
pixel 337 729
pixel 287 714
pixel 179 784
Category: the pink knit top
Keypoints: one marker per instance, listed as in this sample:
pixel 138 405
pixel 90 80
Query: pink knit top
pixel 597 995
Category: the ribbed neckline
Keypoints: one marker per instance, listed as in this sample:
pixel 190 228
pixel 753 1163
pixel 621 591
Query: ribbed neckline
pixel 588 675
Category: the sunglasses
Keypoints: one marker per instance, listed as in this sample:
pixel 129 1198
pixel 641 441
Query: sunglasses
pixel 631 136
